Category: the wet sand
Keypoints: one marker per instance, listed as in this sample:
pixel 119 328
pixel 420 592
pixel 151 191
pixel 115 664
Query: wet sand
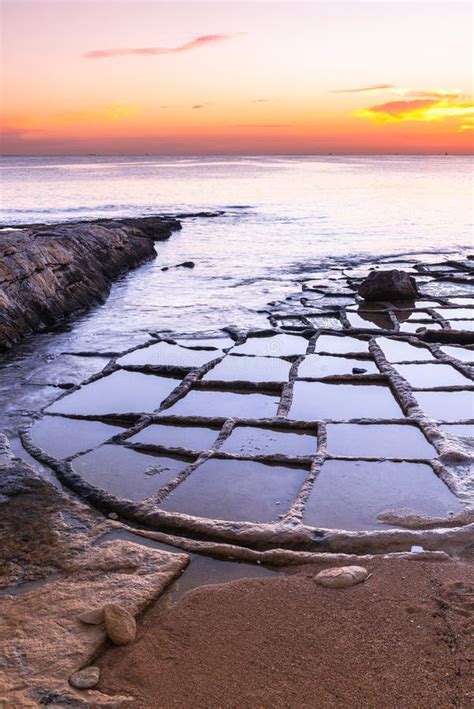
pixel 401 639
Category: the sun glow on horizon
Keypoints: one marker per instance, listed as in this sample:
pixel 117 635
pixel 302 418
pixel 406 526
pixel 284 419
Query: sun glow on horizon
pixel 212 77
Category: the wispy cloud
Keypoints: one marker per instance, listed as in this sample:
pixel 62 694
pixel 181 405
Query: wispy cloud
pixel 440 94
pixel 406 93
pixel 196 43
pixel 364 89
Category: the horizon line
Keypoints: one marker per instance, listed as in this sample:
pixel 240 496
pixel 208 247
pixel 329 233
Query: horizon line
pixel 441 153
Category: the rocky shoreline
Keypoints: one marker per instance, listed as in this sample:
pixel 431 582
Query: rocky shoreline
pixel 48 272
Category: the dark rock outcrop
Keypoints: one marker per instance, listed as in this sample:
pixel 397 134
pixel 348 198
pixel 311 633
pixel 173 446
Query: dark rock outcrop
pixel 184 264
pixel 48 272
pixel 388 285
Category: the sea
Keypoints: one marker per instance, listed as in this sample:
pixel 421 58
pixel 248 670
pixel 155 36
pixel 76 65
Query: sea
pixel 281 217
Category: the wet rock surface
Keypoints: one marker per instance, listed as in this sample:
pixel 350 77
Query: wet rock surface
pixel 54 563
pixel 388 285
pixel 49 272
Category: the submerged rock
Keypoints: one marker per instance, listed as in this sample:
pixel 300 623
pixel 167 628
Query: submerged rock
pixel 342 576
pixel 388 285
pixel 86 678
pixel 184 264
pixel 119 624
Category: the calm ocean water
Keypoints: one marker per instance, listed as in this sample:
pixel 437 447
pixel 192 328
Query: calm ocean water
pixel 283 215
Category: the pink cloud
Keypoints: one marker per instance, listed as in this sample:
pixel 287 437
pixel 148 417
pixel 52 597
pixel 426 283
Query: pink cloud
pixel 195 43
pixel 397 108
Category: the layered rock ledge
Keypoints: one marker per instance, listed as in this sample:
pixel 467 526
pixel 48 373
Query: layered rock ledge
pixel 57 561
pixel 48 272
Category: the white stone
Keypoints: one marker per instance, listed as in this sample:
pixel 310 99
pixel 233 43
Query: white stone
pixel 342 576
pixel 86 678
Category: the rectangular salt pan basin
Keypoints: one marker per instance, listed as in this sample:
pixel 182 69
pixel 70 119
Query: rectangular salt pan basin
pixel 400 351
pixel 463 354
pixel 273 346
pixel 318 400
pixel 377 441
pixel 404 315
pixel 225 404
pixel 412 328
pixel 118 393
pixel 316 366
pixel 196 438
pixel 126 473
pixel 250 369
pixel 350 494
pixel 163 354
pixel 466 325
pixel 456 313
pixel 321 321
pixel 464 430
pixel 62 437
pixel 429 375
pixel 340 345
pixel 236 490
pixel 462 301
pixel 370 320
pixel 219 343
pixel 447 405
pixel 250 440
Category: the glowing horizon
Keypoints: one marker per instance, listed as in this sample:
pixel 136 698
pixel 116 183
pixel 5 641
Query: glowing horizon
pixel 128 77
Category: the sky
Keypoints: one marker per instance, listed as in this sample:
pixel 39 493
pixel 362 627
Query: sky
pixel 231 77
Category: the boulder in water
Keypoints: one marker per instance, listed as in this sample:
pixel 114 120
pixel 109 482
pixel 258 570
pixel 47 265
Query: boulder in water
pixel 388 285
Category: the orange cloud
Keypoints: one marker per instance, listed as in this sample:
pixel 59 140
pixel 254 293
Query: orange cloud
pixel 201 41
pixel 429 109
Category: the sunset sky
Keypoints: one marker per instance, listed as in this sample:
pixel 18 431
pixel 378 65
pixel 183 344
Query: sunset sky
pixel 112 76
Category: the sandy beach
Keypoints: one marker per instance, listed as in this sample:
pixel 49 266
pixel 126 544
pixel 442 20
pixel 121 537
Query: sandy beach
pixel 401 639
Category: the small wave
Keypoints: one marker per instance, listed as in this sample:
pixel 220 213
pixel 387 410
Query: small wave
pixel 238 206
pixel 72 210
